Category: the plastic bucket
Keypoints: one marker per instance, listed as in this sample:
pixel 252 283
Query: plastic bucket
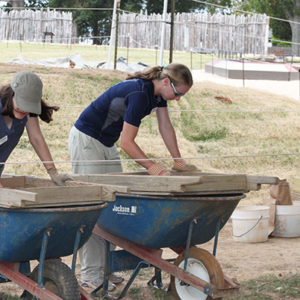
pixel 250 224
pixel 287 220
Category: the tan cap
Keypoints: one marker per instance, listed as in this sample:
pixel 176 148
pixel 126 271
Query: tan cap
pixel 28 88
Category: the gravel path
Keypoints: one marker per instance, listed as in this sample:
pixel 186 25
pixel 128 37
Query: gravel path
pixel 289 89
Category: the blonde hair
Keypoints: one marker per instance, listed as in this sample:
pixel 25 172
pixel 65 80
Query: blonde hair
pixel 179 73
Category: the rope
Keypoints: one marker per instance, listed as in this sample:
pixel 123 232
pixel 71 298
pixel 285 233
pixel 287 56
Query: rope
pixel 204 110
pixel 156 159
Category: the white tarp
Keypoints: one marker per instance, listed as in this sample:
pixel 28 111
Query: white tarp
pixel 78 63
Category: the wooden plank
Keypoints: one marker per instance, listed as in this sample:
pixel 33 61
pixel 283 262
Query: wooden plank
pixel 13 181
pixel 40 192
pixel 31 181
pixel 187 182
pixel 67 194
pixel 109 191
pixel 262 179
pixel 216 183
pixel 77 192
pixel 15 198
pixel 141 182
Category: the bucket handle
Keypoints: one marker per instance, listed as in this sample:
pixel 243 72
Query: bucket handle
pixel 258 220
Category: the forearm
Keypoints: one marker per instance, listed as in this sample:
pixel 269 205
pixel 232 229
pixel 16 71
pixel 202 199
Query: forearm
pixel 170 140
pixel 43 152
pixel 136 153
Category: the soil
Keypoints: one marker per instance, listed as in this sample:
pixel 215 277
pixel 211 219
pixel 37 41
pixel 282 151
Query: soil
pixel 239 260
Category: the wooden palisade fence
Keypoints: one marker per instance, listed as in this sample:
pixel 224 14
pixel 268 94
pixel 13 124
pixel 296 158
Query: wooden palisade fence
pixel 36 26
pixel 192 31
pixel 197 32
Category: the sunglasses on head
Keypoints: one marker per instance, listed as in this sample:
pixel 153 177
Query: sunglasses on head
pixel 176 93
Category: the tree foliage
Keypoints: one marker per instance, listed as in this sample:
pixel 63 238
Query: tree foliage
pixel 282 9
pixel 98 23
pixel 156 6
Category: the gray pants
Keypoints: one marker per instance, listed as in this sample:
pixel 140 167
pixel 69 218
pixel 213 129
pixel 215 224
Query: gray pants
pixel 83 149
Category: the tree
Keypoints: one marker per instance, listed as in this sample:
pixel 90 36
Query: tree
pixel 16 3
pixel 96 23
pixel 156 6
pixel 283 9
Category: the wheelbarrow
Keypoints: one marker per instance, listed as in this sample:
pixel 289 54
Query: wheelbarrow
pixel 143 225
pixel 45 234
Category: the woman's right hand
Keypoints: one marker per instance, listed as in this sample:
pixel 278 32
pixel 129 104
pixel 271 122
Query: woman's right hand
pixel 158 170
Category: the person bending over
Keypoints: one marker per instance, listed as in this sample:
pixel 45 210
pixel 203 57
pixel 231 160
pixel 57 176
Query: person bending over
pixel 117 113
pixel 20 105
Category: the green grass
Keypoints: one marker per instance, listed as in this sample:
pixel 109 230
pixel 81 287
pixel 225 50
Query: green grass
pixel 4 296
pixel 269 288
pixel 39 51
pixel 262 288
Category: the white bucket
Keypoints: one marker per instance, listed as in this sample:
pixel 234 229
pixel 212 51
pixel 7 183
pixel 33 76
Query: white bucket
pixel 287 220
pixel 250 224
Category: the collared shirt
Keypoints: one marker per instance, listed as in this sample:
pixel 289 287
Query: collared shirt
pixel 129 101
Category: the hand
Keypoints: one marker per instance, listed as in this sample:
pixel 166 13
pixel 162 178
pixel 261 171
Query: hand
pixel 158 169
pixel 58 179
pixel 182 166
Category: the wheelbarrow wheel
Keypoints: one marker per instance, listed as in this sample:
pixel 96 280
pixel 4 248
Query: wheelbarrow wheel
pixel 201 264
pixel 58 278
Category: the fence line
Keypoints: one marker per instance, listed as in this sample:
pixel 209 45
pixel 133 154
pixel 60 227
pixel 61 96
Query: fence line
pixel 199 31
pixel 36 26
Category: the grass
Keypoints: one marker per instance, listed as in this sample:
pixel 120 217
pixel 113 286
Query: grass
pixel 248 136
pixel 38 51
pixel 269 288
pixel 262 288
pixel 8 297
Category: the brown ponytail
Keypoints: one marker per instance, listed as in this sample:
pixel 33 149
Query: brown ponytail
pixel 179 73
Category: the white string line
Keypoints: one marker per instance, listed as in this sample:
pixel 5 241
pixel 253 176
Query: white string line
pixel 55 8
pixel 205 110
pixel 153 159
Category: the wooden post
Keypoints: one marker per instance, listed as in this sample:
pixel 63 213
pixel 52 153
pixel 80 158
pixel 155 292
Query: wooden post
pixel 113 23
pixel 172 31
pixel 163 30
pixel 128 41
pixel 116 34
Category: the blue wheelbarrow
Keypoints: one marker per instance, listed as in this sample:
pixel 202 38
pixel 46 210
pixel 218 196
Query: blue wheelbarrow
pixel 142 225
pixel 45 234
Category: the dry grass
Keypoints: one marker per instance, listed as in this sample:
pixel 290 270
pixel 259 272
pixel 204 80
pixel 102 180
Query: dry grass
pixel 242 137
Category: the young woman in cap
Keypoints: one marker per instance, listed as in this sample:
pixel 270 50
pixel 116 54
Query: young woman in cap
pixel 20 104
pixel 118 112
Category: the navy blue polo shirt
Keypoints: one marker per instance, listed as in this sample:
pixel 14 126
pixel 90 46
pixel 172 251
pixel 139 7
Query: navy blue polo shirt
pixel 129 101
pixel 9 137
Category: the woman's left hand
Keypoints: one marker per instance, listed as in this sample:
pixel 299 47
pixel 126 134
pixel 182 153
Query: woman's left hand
pixel 58 179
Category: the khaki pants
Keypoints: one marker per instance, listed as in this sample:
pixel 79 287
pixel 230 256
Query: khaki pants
pixel 84 149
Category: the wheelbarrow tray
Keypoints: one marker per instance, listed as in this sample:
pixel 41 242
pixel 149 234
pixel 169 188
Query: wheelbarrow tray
pixel 163 221
pixel 22 230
